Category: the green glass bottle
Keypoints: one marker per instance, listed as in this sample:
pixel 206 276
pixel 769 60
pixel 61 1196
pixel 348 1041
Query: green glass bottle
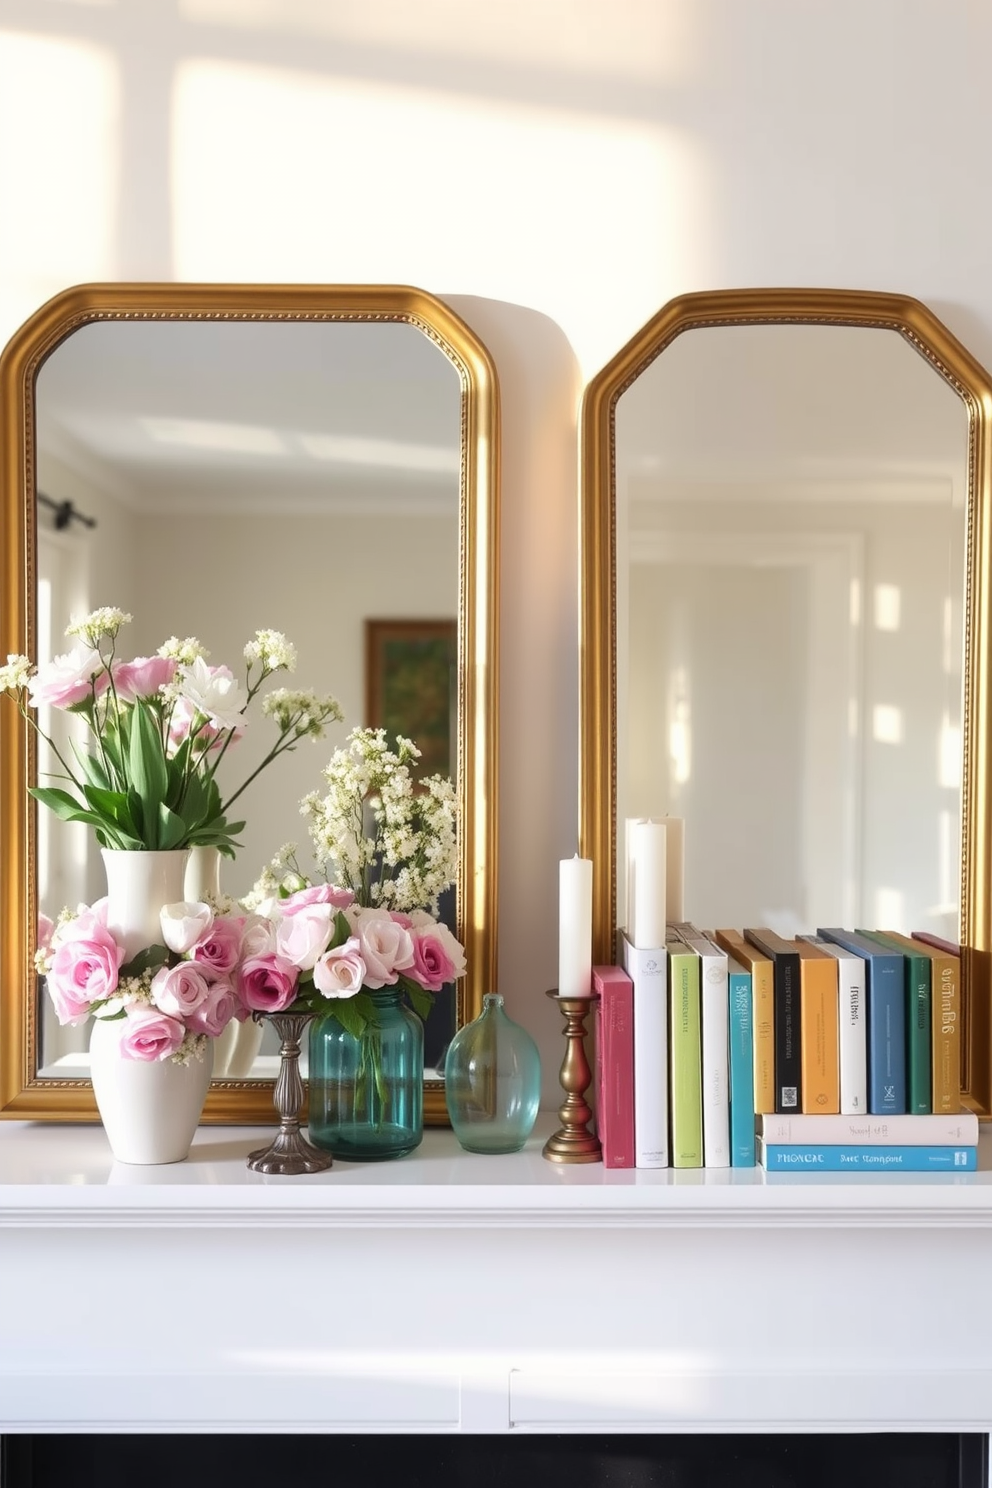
pixel 492 1081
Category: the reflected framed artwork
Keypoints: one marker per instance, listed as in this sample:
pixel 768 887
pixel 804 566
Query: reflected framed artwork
pixel 410 679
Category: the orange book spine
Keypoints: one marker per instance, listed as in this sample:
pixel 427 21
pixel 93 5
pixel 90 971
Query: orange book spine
pixel 819 1032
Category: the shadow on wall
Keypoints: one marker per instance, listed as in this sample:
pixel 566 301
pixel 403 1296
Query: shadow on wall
pixel 540 392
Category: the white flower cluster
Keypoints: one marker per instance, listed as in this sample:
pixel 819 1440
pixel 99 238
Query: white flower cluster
pixel 302 711
pixel 409 856
pixel 16 675
pixel 91 628
pixel 185 652
pixel 271 650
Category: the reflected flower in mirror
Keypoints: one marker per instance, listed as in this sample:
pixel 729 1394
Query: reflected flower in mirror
pixel 158 728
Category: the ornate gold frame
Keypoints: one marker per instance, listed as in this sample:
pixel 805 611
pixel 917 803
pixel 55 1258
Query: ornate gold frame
pixel 22 1094
pixel 597 762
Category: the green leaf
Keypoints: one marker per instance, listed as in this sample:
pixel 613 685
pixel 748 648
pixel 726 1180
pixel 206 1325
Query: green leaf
pixel 171 828
pixel 420 1000
pixel 111 804
pixel 348 1015
pixel 136 811
pixel 149 959
pixel 149 773
pixel 91 766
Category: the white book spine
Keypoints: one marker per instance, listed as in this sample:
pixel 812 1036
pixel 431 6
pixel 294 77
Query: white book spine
pixel 715 1016
pixel 648 970
pixel 958 1130
pixel 852 1022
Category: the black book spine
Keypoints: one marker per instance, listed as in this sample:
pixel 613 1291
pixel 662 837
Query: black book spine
pixel 788 1057
pixel 786 1007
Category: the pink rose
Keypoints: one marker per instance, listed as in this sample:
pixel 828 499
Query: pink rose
pixel 306 934
pixel 46 929
pixel 340 972
pixel 185 923
pixel 215 1011
pixel 267 984
pixel 317 894
pixel 217 952
pixel 84 970
pixel 67 680
pixel 178 990
pixel 433 964
pixel 149 1034
pixel 142 677
pixel 386 947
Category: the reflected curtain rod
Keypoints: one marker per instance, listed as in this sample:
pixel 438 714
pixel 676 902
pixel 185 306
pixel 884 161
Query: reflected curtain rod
pixel 65 513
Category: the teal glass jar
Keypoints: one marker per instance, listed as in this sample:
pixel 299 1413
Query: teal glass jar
pixel 367 1093
pixel 492 1081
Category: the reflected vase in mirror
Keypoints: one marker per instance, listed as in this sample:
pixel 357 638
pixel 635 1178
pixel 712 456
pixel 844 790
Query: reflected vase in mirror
pixel 492 1081
pixel 366 1090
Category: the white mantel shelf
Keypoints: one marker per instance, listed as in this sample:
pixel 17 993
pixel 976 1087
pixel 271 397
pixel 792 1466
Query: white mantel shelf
pixel 449 1292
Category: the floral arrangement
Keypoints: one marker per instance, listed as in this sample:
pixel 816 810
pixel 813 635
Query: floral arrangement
pixel 323 947
pixel 159 727
pixel 170 998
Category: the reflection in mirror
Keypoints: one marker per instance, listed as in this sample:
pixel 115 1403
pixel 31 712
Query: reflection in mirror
pixel 301 477
pixel 790 582
pixel 785 620
pixel 313 472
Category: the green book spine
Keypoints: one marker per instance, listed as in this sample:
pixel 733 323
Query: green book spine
pixel 685 1080
pixel 919 1090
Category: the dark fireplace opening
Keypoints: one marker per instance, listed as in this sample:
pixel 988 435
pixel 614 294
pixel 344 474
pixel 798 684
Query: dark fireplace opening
pixel 870 1460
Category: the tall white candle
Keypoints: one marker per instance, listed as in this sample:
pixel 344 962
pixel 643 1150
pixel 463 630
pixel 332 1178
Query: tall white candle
pixel 575 927
pixel 648 874
pixel 675 830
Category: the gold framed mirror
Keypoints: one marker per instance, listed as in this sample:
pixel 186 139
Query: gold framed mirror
pixel 358 406
pixel 785 620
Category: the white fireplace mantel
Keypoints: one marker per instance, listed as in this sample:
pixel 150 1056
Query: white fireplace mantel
pixel 445 1292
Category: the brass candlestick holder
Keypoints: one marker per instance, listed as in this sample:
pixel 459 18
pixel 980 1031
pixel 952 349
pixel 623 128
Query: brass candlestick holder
pixel 574 1143
pixel 289 1152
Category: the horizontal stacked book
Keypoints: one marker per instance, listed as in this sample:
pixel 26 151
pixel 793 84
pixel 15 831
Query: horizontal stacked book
pixel 837 1051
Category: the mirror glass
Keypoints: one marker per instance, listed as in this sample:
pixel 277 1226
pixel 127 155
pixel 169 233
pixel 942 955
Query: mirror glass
pixel 215 460
pixel 303 478
pixel 790 514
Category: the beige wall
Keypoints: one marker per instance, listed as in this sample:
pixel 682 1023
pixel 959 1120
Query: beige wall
pixel 557 172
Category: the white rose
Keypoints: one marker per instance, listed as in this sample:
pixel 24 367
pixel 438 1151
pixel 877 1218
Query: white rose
pixel 257 937
pixel 386 947
pixel 185 923
pixel 341 971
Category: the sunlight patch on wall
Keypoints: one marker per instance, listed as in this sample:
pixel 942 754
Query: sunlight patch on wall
pixel 627 38
pixel 886 724
pixel 59 123
pixel 280 177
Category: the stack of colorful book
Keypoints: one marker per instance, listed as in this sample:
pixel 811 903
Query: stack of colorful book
pixel 703 1041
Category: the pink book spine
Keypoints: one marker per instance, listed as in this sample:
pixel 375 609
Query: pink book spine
pixel 614 1064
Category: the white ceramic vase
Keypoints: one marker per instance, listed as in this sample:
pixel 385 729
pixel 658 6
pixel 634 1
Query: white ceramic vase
pixel 139 883
pixel 150 1109
pixel 202 877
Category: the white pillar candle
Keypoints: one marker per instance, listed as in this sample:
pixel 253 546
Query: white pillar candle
pixel 575 927
pixel 675 836
pixel 648 874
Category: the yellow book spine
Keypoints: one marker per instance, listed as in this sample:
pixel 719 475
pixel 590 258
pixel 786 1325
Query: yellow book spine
pixel 763 1018
pixel 820 1036
pixel 945 1044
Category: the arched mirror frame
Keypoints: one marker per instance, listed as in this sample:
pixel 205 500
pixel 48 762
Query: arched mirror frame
pixel 22 1094
pixel 598 632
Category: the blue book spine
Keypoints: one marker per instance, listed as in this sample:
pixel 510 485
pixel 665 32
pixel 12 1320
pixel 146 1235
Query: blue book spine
pixel 830 1159
pixel 886 1000
pixel 741 1068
